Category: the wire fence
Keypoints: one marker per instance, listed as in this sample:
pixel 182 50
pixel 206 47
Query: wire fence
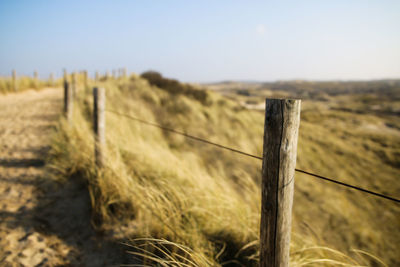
pixel 332 180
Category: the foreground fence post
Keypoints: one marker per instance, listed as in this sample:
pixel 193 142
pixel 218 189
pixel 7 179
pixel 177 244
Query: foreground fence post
pixel 282 118
pixel 99 100
pixel 68 99
pixel 14 81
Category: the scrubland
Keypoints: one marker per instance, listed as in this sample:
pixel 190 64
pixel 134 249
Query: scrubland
pixel 178 202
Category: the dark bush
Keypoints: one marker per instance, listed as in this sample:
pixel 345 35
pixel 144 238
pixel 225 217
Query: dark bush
pixel 175 87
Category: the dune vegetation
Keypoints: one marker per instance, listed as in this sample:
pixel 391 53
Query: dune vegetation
pixel 178 202
pixel 22 83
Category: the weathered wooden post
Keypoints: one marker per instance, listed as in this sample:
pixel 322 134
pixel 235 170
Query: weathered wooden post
pixel 282 119
pixel 73 84
pixel 14 81
pixel 35 79
pixel 65 74
pixel 51 80
pixel 99 100
pixel 68 99
pixel 85 80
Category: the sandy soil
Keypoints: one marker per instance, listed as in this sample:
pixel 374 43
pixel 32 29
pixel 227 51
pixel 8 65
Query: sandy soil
pixel 41 222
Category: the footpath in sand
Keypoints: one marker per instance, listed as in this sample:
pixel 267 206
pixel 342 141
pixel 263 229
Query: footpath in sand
pixel 38 226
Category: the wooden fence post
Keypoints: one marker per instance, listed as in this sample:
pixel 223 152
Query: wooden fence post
pixel 51 79
pixel 85 80
pixel 35 79
pixel 73 85
pixel 14 81
pixel 68 99
pixel 282 119
pixel 99 100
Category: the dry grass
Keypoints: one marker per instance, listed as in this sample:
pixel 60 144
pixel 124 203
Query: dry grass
pixel 25 83
pixel 182 203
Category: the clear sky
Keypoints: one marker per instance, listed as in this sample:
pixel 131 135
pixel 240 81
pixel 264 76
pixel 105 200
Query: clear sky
pixel 204 41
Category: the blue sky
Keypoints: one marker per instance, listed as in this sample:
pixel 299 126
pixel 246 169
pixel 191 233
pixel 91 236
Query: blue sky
pixel 203 41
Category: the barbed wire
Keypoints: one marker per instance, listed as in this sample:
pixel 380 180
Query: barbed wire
pixel 254 156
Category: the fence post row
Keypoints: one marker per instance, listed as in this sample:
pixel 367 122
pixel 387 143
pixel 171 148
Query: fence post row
pixel 68 99
pixel 282 118
pixel 99 100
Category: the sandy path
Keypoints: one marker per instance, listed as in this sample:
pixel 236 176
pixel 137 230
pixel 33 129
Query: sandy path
pixel 38 226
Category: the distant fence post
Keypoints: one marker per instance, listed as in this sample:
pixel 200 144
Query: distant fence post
pixel 51 79
pixel 14 81
pixel 68 99
pixel 99 100
pixel 35 78
pixel 73 84
pixel 282 118
pixel 85 80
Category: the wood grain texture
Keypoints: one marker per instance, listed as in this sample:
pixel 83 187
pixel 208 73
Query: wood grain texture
pixel 99 125
pixel 282 118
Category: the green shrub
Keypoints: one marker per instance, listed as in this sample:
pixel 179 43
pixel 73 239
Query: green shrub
pixel 175 87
